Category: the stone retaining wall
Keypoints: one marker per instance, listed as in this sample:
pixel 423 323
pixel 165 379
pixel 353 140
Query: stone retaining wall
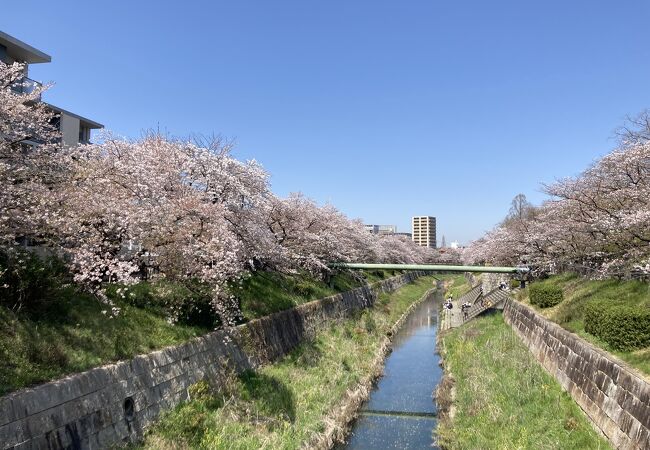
pixel 492 281
pixel 613 395
pixel 114 404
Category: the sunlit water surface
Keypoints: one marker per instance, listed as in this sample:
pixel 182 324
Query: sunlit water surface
pixel 401 412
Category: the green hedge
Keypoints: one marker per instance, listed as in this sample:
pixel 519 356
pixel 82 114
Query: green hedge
pixel 624 327
pixel 544 295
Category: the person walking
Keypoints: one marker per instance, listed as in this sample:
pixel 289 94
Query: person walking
pixel 465 308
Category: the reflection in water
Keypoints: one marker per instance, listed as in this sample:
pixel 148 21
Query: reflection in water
pixel 400 412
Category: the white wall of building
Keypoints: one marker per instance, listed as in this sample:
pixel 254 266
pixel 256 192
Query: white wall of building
pixel 69 130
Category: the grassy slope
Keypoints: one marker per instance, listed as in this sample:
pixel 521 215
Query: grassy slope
pixel 264 293
pixel 282 405
pixel 74 335
pixel 504 399
pixel 458 287
pixel 579 291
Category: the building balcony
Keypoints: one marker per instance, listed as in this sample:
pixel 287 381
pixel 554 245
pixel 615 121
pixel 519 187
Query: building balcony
pixel 26 86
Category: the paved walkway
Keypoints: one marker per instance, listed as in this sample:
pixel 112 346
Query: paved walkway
pixel 452 318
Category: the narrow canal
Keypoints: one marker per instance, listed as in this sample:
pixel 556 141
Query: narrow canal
pixel 400 412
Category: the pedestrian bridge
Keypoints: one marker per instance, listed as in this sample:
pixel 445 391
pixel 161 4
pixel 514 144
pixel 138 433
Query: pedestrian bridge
pixel 479 300
pixel 433 267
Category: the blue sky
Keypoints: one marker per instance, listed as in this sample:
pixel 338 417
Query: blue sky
pixel 386 109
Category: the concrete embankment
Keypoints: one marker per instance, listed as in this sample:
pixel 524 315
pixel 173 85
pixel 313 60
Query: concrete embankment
pixel 114 404
pixel 497 377
pixel 613 395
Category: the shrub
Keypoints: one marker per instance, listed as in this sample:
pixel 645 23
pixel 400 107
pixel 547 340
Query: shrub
pixel 624 327
pixel 201 390
pixel 544 295
pixel 188 304
pixel 30 283
pixel 514 284
pixel 140 295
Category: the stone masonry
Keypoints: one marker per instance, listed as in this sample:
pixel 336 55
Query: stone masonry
pixel 613 395
pixel 492 281
pixel 114 404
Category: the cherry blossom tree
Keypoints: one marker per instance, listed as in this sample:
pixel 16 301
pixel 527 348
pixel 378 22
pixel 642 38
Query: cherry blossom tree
pixel 29 160
pixel 399 250
pixel 120 210
pixel 130 207
pixel 311 236
pixel 608 207
pixel 191 212
pixel 597 222
pixel 242 189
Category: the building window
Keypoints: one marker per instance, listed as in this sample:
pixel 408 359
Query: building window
pixel 55 121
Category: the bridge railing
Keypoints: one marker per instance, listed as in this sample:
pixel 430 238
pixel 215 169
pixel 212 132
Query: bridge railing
pixel 432 267
pixel 485 302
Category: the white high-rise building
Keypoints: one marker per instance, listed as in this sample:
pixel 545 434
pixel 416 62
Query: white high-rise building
pixel 424 231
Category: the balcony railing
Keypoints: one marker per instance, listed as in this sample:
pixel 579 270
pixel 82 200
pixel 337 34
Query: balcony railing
pixel 25 86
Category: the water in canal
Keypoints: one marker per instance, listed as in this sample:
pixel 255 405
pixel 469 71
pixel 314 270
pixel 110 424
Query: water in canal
pixel 401 413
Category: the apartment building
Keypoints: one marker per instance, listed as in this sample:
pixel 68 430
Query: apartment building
pixel 381 229
pixel 75 129
pixel 424 231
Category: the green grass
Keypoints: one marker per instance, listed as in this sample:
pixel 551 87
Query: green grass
pixel 64 331
pixel 77 336
pixel 580 291
pixel 459 286
pixel 264 293
pixel 504 399
pixel 282 405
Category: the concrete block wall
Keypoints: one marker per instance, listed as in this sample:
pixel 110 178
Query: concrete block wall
pixel 114 404
pixel 614 396
pixel 492 281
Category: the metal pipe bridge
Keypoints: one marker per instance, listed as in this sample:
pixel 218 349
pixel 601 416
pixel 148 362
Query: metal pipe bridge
pixel 433 267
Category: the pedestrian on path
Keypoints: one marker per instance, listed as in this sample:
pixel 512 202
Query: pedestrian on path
pixel 465 308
